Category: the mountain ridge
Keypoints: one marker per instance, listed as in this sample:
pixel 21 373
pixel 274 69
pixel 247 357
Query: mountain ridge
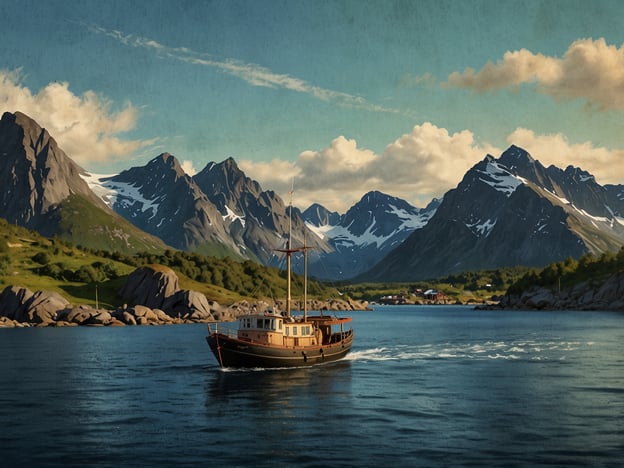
pixel 505 211
pixel 509 211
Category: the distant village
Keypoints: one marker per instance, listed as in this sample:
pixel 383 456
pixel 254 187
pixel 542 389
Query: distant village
pixel 428 296
pixel 419 296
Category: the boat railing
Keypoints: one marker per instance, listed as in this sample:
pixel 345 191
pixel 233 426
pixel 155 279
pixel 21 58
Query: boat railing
pixel 229 329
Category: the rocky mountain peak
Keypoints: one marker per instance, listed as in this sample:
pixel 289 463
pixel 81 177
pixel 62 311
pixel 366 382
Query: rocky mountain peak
pixel 318 215
pixel 514 157
pixel 35 173
pixel 579 175
pixel 224 183
pixel 166 161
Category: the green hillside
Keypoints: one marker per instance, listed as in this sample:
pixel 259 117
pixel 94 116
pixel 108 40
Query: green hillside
pixel 471 286
pixel 30 260
pixel 566 274
pixel 80 222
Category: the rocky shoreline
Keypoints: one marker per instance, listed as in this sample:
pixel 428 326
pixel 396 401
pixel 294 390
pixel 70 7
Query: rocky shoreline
pixel 152 297
pixel 589 295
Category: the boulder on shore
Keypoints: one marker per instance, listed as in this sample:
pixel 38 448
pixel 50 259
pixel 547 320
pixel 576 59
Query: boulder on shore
pixel 22 305
pixel 149 286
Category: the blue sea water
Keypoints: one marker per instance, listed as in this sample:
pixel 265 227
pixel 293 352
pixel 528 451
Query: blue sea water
pixel 423 386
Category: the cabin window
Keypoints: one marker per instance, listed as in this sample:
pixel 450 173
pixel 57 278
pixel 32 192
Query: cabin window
pixel 295 331
pixel 259 323
pixel 279 324
pixel 306 330
pixel 287 331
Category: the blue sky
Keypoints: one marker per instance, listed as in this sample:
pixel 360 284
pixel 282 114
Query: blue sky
pixel 337 97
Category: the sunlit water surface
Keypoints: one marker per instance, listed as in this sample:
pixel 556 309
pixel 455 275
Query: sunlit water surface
pixel 423 386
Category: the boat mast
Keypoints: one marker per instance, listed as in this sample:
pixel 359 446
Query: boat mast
pixel 305 278
pixel 288 254
pixel 288 251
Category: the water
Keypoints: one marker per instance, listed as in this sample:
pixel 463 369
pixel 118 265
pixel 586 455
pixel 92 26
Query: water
pixel 423 386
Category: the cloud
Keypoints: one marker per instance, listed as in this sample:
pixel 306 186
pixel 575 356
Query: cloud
pixel 85 127
pixel 605 164
pixel 590 70
pixel 254 74
pixel 188 167
pixel 418 166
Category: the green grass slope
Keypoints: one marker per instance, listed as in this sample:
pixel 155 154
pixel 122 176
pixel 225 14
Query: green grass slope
pixel 89 275
pixel 80 222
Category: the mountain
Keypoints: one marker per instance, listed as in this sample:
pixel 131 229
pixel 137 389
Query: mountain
pixel 43 190
pixel 160 198
pixel 510 211
pixel 364 234
pixel 317 215
pixel 219 211
pixel 256 220
pixel 505 212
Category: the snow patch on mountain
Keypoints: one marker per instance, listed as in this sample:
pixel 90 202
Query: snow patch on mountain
pixel 500 178
pixel 341 236
pixel 118 192
pixel 94 181
pixel 482 228
pixel 410 221
pixel 232 216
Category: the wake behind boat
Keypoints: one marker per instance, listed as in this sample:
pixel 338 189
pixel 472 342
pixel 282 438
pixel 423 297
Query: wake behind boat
pixel 272 339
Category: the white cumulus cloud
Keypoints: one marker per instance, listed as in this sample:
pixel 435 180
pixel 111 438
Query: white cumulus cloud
pixel 591 70
pixel 188 167
pixel 418 166
pixel 85 127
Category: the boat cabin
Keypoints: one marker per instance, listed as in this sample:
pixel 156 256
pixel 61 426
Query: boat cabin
pixel 276 329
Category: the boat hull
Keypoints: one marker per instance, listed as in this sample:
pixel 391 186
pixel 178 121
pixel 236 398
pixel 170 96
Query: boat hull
pixel 235 353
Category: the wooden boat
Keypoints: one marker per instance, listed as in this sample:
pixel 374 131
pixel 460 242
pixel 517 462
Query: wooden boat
pixel 271 339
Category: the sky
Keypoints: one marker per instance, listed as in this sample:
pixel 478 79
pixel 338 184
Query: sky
pixel 330 99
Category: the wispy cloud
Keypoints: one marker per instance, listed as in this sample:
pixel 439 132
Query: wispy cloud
pixel 591 70
pixel 254 74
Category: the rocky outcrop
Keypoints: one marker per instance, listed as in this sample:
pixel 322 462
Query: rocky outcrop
pixel 22 305
pixel 156 287
pixel 607 295
pixel 330 304
pixel 152 297
pixel 150 286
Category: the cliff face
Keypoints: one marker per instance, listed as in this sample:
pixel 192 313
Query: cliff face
pixel 35 174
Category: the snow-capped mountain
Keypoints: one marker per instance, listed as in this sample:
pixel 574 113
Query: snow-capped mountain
pixel 510 211
pixel 506 211
pixel 160 198
pixel 219 211
pixel 365 233
pixel 317 215
pixel 255 219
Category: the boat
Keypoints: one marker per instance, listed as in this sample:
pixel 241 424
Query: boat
pixel 279 339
